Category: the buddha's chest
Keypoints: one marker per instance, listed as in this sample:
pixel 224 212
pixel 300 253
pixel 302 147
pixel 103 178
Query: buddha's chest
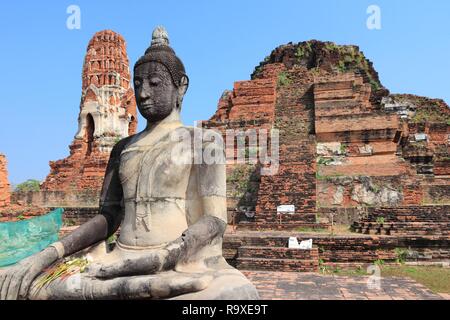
pixel 160 171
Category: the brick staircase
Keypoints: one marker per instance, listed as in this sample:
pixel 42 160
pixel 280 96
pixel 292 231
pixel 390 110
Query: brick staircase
pixel 411 220
pixel 278 258
pixel 267 251
pixel 269 254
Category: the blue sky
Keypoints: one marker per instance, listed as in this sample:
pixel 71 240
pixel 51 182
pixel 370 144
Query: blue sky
pixel 219 42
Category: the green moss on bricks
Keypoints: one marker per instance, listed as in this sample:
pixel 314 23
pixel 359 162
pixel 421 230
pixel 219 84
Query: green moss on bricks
pixel 283 79
pixel 323 56
pixel 430 114
pixel 303 51
pixel 239 180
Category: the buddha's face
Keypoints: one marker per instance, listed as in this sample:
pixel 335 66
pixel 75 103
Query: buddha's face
pixel 156 94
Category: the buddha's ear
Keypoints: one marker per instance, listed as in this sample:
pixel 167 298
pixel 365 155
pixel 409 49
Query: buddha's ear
pixel 184 84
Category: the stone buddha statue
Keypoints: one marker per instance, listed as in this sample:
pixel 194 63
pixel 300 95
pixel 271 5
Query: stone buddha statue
pixel 170 207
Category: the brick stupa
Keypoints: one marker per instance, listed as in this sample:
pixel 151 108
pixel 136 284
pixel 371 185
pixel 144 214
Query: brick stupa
pixel 107 114
pixel 345 142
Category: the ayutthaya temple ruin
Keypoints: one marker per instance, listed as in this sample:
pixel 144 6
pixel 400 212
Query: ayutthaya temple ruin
pixel 348 148
pixel 107 114
pixel 351 154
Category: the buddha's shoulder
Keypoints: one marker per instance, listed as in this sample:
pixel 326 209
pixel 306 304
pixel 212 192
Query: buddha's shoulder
pixel 122 144
pixel 206 136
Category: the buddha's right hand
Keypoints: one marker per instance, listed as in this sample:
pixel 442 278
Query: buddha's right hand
pixel 15 281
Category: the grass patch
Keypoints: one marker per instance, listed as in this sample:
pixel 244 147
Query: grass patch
pixel 437 279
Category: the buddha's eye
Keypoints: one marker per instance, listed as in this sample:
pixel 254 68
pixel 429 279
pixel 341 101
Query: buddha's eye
pixel 155 81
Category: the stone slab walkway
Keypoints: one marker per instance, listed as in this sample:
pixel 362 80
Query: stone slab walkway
pixel 314 286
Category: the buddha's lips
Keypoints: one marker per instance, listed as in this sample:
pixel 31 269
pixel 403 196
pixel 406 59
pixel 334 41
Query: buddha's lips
pixel 146 106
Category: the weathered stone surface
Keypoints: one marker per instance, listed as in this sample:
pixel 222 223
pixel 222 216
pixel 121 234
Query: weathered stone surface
pixel 5 192
pixel 107 114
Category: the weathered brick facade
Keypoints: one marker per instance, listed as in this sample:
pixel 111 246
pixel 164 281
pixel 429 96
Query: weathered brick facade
pixel 107 114
pixel 5 192
pixel 295 182
pixel 345 142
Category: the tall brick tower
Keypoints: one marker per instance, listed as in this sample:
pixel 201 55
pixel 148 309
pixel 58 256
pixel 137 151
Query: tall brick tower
pixel 107 114
pixel 5 193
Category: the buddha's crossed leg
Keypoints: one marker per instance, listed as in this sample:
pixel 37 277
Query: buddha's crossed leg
pixel 84 287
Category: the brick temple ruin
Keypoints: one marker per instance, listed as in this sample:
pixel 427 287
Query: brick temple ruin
pixel 350 153
pixel 5 192
pixel 347 146
pixel 107 114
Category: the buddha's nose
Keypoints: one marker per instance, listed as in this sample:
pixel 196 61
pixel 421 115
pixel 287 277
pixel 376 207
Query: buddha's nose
pixel 144 93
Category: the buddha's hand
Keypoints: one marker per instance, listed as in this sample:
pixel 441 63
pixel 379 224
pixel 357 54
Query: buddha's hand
pixel 178 252
pixel 149 262
pixel 16 280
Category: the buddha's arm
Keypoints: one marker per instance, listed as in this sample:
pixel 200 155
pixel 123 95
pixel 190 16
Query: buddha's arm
pixel 16 281
pixel 111 212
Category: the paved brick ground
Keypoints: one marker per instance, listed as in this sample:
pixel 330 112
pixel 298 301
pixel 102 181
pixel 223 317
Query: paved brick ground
pixel 313 286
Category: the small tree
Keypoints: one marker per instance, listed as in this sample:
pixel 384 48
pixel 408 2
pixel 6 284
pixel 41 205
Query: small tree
pixel 29 185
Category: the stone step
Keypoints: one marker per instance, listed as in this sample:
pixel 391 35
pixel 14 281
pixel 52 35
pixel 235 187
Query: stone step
pixel 403 228
pixel 272 224
pixel 283 265
pixel 277 253
pixel 440 213
pixel 400 217
pixel 341 249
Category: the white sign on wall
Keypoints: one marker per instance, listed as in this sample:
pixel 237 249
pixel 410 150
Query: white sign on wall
pixel 304 245
pixel 286 209
pixel 293 243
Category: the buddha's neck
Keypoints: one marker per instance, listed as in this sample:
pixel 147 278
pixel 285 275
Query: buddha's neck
pixel 174 116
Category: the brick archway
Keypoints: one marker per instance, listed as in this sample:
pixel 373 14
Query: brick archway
pixel 89 133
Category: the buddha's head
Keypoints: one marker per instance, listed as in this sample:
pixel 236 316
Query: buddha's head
pixel 160 80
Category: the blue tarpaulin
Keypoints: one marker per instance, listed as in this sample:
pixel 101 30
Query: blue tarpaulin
pixel 21 239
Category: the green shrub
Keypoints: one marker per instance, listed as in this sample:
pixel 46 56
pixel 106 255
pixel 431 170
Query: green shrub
pixel 283 79
pixel 380 220
pixel 111 239
pixel 379 262
pixel 402 255
pixel 324 161
pixel 29 185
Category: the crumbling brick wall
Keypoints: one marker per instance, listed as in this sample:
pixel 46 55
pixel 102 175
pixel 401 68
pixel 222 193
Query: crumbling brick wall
pixel 5 193
pixel 345 142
